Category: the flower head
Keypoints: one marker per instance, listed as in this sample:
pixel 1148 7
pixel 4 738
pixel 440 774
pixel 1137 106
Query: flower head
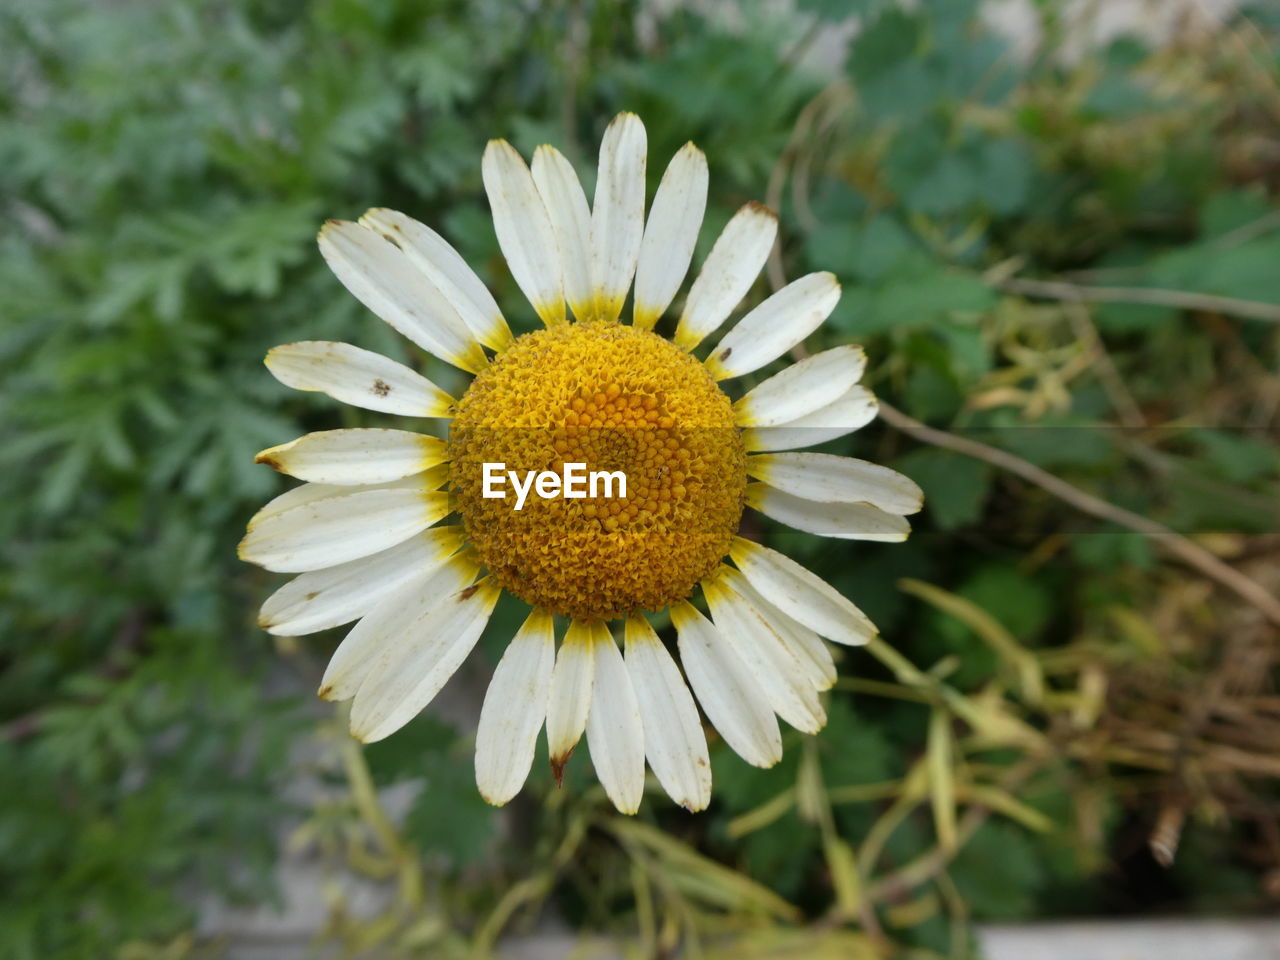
pixel 365 532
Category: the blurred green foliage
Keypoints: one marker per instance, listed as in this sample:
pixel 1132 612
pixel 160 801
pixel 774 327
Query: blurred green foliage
pixel 163 169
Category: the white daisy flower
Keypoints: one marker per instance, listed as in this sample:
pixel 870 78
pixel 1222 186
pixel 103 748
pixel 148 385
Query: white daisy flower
pixel 365 535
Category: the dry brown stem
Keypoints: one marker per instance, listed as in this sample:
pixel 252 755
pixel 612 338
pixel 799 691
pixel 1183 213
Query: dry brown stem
pixel 1175 544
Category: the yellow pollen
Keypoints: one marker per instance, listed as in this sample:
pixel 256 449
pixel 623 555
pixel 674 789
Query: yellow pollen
pixel 614 398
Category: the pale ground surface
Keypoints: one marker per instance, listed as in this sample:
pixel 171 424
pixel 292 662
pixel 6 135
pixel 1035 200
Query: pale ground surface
pixel 307 888
pixel 1119 940
pixel 1150 940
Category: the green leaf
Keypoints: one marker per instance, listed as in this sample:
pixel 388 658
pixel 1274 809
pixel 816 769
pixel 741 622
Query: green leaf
pixel 1116 95
pixel 1229 210
pixel 404 756
pixel 840 9
pixel 1022 604
pixel 955 487
pixel 967 350
pixel 866 251
pixel 1052 441
pixel 742 787
pixel 777 854
pixel 1240 457
pixel 1246 272
pixel 852 750
pixel 904 91
pixel 947 186
pixel 950 13
pixel 931 394
pixel 1113 550
pixel 919 296
pixel 999 872
pixel 883 44
pixel 449 816
pixel 1005 175
pixel 1133 317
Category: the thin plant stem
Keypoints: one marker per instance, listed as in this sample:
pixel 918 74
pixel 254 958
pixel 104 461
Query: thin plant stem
pixel 1175 544
pixel 1179 299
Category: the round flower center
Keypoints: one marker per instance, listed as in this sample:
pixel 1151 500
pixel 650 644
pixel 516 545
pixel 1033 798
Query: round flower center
pixel 615 399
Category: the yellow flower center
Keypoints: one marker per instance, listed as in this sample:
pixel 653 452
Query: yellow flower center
pixel 614 398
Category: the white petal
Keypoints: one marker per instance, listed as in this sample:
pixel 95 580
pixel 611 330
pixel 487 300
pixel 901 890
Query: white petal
pixel 566 204
pixel 844 521
pixel 777 325
pixel 337 595
pixel 406 675
pixel 851 412
pixel 673 737
pixel 524 230
pixel 381 276
pixel 571 683
pixel 296 497
pixel 730 269
pixel 781 676
pixel 360 455
pixel 445 268
pixel 359 377
pixel 389 624
pixel 311 492
pixel 617 214
pixel 801 594
pixel 802 388
pixel 514 707
pixel 831 479
pixel 333 530
pixel 615 736
pixel 727 689
pixel 805 645
pixel 670 235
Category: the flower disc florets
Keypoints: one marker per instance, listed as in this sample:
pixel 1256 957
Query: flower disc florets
pixel 614 398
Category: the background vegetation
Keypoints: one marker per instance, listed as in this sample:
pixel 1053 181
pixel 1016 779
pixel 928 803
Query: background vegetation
pixel 1071 264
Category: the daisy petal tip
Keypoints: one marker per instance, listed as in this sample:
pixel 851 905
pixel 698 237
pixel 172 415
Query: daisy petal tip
pixel 368 735
pixel 557 768
pixel 493 800
pixel 268 457
pixel 627 117
pixel 500 147
pixel 697 803
pixel 328 229
pixel 384 220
